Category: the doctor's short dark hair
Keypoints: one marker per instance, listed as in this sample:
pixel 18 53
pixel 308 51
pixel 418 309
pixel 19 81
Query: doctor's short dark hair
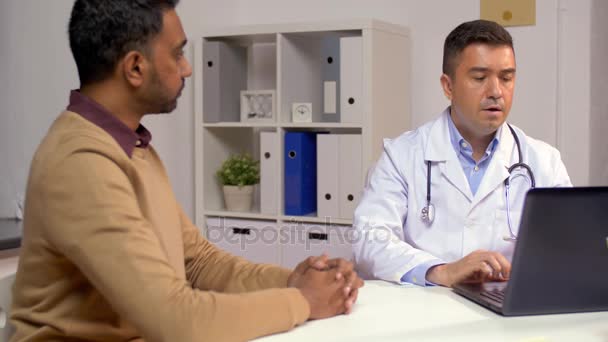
pixel 471 32
pixel 101 32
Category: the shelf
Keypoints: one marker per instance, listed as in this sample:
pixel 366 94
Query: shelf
pixel 235 214
pixel 260 32
pixel 367 61
pixel 316 219
pixel 285 218
pixel 240 124
pixel 284 125
pixel 320 125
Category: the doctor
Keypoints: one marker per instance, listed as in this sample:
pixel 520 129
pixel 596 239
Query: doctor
pixel 435 210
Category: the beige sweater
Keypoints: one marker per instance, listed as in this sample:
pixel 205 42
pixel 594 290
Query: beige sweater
pixel 108 255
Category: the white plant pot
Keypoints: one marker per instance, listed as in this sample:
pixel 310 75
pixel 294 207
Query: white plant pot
pixel 238 199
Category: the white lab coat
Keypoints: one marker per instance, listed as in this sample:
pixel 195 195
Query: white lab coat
pixel 390 238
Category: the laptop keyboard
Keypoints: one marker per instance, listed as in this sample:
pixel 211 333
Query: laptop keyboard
pixel 497 295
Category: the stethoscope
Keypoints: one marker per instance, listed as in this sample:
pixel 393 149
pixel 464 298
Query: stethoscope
pixel 428 212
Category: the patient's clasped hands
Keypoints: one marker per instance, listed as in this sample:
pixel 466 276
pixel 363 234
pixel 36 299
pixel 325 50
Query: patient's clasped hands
pixel 330 286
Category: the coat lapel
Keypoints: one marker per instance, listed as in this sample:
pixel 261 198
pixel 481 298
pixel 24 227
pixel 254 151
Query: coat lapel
pixel 439 149
pixel 498 169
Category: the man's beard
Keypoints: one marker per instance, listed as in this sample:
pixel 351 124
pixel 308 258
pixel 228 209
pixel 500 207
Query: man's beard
pixel 158 98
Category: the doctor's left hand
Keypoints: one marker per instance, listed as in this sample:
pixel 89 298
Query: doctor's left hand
pixel 344 270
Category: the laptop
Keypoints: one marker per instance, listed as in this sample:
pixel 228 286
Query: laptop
pixel 560 262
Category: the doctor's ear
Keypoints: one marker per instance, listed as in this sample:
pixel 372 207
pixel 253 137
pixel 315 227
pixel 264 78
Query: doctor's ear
pixel 446 84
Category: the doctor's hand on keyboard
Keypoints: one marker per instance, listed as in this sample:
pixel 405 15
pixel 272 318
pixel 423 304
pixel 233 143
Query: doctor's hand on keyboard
pixel 330 286
pixel 479 266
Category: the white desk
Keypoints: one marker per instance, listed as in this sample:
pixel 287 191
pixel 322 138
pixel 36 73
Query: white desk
pixel 8 267
pixel 8 264
pixel 387 312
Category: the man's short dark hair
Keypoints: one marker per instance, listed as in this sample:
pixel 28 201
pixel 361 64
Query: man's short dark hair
pixel 471 32
pixel 103 31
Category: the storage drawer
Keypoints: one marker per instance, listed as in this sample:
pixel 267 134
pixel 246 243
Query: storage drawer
pixel 255 240
pixel 299 241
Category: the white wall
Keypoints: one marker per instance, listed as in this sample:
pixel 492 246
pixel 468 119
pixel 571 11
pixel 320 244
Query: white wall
pixel 552 59
pixel 599 93
pixel 573 84
pixel 37 71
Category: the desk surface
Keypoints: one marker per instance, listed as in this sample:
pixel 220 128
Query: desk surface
pixel 388 312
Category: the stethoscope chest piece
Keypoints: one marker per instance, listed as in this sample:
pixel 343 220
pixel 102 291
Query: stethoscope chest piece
pixel 428 213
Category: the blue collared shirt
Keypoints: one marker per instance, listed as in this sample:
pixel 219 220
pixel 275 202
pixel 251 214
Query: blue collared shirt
pixel 474 171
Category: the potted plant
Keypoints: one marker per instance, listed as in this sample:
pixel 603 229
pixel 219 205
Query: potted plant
pixel 238 174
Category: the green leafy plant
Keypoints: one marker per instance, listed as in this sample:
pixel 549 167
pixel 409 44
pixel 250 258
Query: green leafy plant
pixel 239 169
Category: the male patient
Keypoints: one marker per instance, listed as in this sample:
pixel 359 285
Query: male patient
pixel 107 253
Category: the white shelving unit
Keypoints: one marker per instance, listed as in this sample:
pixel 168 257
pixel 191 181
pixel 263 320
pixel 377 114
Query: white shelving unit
pixel 290 59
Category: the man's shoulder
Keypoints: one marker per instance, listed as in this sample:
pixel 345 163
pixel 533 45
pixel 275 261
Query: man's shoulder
pixel 544 158
pixel 70 135
pixel 411 139
pixel 545 161
pixel 534 145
